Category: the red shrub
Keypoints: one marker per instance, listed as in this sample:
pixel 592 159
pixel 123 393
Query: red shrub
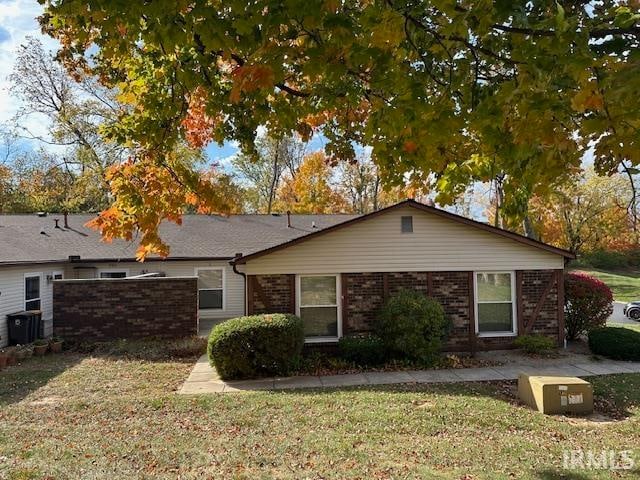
pixel 588 303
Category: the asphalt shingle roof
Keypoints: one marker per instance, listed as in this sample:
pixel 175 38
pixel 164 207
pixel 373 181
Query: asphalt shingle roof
pixel 31 238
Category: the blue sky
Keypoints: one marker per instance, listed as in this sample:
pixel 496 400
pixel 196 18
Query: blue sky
pixel 17 22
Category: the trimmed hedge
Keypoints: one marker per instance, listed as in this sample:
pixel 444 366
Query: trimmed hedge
pixel 535 343
pixel 615 342
pixel 362 350
pixel 411 326
pixel 254 346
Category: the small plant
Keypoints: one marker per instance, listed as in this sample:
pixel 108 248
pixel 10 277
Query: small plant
pixel 535 344
pixel 588 302
pixel 412 326
pixel 614 342
pixel 258 345
pixel 40 347
pixel 55 344
pixel 367 350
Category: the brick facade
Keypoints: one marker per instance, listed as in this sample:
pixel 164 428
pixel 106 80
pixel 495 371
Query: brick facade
pixel 535 284
pixel 271 294
pixel 364 294
pixel 99 309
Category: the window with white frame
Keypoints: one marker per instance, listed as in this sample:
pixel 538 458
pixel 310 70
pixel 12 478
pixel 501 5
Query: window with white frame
pixel 32 291
pixel 318 306
pixel 210 288
pixel 495 303
pixel 57 275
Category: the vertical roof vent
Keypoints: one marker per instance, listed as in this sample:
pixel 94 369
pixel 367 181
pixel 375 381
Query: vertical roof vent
pixel 406 224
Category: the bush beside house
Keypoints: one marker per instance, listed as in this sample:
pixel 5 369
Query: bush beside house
pixel 411 326
pixel 254 346
pixel 588 304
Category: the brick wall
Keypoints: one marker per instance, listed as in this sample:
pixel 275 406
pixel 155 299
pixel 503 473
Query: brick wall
pixel 365 295
pixel 452 290
pixel 271 294
pixel 534 284
pixel 100 309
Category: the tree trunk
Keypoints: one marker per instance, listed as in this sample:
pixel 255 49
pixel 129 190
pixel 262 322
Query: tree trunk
pixel 529 229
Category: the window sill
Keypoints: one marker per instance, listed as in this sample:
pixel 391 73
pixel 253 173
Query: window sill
pixel 321 340
pixel 497 334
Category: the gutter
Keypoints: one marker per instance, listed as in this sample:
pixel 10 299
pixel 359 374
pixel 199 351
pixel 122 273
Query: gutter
pixel 234 267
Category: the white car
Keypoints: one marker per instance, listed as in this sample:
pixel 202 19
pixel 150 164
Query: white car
pixel 632 310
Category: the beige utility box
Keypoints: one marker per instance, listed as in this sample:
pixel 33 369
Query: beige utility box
pixel 556 394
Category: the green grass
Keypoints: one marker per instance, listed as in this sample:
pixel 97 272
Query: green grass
pixel 624 285
pixel 78 416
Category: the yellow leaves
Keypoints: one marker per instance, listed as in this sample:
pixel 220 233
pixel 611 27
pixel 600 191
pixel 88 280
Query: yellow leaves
pixel 587 99
pixel 249 78
pixel 389 32
pixel 311 191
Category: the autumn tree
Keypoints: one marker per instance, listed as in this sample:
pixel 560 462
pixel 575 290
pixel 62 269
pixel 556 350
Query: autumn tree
pixel 588 214
pixel 312 189
pixel 448 92
pixel 74 112
pixel 263 172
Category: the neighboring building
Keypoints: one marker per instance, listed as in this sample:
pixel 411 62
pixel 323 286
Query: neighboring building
pixel 35 250
pixel 334 271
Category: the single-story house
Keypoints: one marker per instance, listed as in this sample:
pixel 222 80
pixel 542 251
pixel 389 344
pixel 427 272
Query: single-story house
pixel 334 271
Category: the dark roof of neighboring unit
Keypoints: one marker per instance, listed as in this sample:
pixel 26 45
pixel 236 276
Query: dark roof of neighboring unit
pixel 419 206
pixel 31 238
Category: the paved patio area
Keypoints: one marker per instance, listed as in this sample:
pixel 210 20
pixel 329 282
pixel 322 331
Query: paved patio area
pixel 204 379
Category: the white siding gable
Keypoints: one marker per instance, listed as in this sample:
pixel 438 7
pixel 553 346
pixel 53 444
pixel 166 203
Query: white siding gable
pixel 378 245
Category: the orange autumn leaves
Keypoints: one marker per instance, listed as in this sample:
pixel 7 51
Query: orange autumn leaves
pixel 159 192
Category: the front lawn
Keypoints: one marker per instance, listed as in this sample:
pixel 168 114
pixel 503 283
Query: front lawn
pixel 77 416
pixel 624 285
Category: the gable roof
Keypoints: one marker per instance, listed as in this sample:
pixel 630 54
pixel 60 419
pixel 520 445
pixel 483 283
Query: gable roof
pixel 31 238
pixel 419 206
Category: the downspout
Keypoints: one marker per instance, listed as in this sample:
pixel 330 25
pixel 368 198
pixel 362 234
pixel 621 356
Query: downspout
pixel 237 257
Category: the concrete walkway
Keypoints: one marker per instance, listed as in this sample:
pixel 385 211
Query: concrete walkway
pixel 204 379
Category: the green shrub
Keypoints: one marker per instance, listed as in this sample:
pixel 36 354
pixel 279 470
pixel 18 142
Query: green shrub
pixel 362 350
pixel 259 345
pixel 412 326
pixel 588 303
pixel 616 343
pixel 535 344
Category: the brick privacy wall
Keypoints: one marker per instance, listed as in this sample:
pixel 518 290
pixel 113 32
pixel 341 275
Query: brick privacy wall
pixel 272 294
pixel 534 283
pixel 365 295
pixel 125 308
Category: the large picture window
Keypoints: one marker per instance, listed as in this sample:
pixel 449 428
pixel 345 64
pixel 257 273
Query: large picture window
pixel 495 305
pixel 318 307
pixel 210 288
pixel 32 291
